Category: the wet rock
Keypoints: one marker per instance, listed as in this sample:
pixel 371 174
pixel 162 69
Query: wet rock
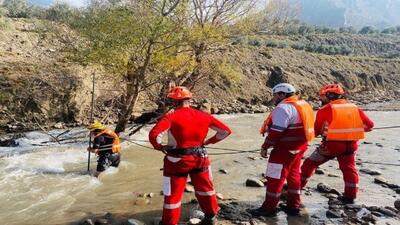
pixel 363 212
pixel 220 196
pixel 59 125
pixel 397 190
pixel 334 213
pixel 369 218
pixel 196 214
pixel 9 143
pixel 142 201
pixel 189 188
pixel 101 221
pixel 378 214
pixel 253 182
pixel 251 157
pixel 371 172
pixel 150 195
pixel 135 222
pixel 333 175
pixel 156 221
pixel 88 222
pixel 334 202
pixel 380 180
pixel 397 204
pixel 392 209
pixel 319 171
pixel 335 207
pixel 224 171
pixel 354 207
pixel 324 188
pixel 194 221
pixel 387 212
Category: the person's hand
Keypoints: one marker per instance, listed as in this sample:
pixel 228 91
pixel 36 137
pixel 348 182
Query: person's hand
pixel 265 146
pixel 264 153
pixel 165 149
pixel 92 150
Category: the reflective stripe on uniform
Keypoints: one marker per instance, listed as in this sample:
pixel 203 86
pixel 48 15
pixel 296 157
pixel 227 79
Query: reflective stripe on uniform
pixel 346 130
pixel 206 193
pixel 275 195
pixel 172 206
pixel 348 105
pixel 294 191
pixel 277 128
pixel 350 184
pixel 294 151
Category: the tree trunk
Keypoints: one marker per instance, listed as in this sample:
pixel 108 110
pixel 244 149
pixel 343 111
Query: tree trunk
pixel 132 96
pixel 135 79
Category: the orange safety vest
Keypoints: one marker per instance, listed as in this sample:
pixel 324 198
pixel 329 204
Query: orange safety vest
pixel 306 115
pixel 116 144
pixel 346 124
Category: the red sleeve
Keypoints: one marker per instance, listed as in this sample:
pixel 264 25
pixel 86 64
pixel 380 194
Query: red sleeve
pixel 156 133
pixel 323 118
pixel 368 123
pixel 223 131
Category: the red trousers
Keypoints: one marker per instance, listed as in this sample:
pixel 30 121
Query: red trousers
pixel 176 171
pixel 283 165
pixel 346 160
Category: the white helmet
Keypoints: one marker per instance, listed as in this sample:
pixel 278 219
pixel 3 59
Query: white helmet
pixel 283 87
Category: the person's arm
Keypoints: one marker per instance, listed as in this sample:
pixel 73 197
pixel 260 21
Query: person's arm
pixel 97 141
pixel 280 122
pixel 222 130
pixel 319 123
pixel 155 135
pixel 368 123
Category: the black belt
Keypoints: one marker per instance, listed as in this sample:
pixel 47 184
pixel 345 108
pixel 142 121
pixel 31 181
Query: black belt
pixel 198 151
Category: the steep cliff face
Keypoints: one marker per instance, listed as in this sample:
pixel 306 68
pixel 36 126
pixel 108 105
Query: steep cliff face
pixel 357 13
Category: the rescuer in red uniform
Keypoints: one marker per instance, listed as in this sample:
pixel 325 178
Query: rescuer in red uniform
pixel 187 129
pixel 341 124
pixel 290 128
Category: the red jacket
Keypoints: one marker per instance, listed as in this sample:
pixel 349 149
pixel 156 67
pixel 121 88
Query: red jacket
pixel 187 128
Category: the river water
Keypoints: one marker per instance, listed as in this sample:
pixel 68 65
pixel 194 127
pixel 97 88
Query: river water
pixel 50 185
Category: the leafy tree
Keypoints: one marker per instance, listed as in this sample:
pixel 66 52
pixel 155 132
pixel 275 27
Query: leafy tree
pixel 16 8
pixel 368 30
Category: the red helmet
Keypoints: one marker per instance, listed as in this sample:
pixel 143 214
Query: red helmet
pixel 333 88
pixel 179 93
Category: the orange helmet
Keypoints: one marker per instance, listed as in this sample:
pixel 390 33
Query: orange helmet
pixel 179 93
pixel 334 88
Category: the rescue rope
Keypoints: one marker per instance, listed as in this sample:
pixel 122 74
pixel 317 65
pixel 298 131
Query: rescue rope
pixel 233 151
pixel 388 127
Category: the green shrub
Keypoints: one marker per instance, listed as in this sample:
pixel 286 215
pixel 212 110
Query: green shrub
pixel 298 46
pixel 59 12
pixel 16 8
pixel 271 43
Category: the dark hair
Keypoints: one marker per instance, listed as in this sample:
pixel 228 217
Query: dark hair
pixel 333 96
pixel 287 95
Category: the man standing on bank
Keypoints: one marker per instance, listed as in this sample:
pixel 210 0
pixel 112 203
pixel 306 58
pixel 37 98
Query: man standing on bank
pixel 185 155
pixel 290 129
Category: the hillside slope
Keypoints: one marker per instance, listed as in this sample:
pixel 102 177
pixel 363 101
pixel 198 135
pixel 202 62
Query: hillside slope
pixel 40 87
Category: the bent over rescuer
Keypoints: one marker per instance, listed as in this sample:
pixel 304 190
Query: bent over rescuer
pixel 185 155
